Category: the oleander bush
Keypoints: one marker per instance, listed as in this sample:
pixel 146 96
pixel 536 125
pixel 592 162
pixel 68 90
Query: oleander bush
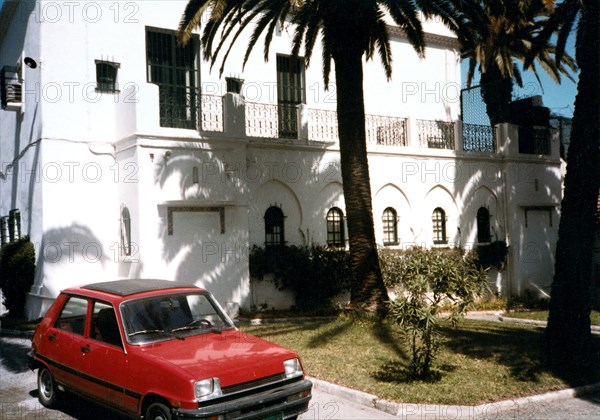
pixel 427 282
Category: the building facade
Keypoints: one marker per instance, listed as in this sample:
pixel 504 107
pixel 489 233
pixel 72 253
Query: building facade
pixel 124 155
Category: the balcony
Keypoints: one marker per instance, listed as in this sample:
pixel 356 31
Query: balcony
pixel 231 116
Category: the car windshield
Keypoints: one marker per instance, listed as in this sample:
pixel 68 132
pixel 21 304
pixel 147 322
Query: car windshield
pixel 170 316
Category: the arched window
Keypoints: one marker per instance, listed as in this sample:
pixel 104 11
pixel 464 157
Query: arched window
pixel 274 233
pixel 125 231
pixel 390 226
pixel 335 228
pixel 438 219
pixel 483 225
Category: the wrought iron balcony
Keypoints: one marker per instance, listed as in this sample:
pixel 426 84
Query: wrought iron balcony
pixel 479 138
pixel 436 134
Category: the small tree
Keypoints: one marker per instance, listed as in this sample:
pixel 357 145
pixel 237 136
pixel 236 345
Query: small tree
pixel 427 282
pixel 17 270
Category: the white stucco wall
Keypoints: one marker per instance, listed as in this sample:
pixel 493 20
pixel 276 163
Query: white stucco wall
pixel 94 154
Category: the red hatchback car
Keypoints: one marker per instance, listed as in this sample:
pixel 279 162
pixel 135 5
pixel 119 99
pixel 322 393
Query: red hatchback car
pixel 154 349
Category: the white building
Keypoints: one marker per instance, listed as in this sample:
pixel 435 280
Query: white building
pixel 124 156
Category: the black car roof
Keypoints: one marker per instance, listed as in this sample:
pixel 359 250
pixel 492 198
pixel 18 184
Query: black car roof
pixel 133 286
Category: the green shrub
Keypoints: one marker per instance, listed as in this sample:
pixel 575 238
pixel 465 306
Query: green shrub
pixel 17 270
pixel 314 274
pixel 427 282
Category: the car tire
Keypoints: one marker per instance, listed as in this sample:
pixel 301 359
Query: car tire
pixel 158 411
pixel 47 389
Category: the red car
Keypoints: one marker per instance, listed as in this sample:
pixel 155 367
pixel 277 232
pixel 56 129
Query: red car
pixel 154 349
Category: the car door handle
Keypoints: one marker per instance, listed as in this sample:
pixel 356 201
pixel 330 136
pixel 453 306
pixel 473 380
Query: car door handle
pixel 85 349
pixel 51 338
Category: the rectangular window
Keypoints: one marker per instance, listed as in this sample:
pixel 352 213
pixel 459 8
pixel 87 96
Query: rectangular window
pixel 174 70
pixel 104 326
pixel 72 317
pixel 106 76
pixel 291 91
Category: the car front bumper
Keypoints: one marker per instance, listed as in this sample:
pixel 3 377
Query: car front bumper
pixel 284 402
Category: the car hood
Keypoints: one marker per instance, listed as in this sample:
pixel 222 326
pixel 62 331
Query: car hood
pixel 232 356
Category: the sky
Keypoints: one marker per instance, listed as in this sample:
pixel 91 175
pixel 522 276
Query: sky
pixel 558 97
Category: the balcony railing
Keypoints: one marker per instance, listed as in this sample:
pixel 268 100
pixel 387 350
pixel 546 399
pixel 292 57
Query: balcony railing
pixel 299 123
pixel 436 134
pixel 386 131
pixel 212 112
pixel 322 126
pixel 262 120
pixel 478 138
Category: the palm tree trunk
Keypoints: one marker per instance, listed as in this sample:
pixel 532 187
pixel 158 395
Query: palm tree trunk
pixel 368 292
pixel 496 91
pixel 568 333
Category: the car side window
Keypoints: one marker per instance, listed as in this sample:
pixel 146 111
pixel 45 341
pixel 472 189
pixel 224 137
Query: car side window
pixel 104 326
pixel 72 316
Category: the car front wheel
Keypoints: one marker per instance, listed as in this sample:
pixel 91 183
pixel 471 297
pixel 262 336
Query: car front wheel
pixel 47 391
pixel 158 411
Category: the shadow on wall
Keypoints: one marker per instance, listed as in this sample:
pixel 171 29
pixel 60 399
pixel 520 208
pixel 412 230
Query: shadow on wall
pixel 75 245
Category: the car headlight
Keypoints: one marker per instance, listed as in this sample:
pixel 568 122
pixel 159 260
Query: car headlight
pixel 207 389
pixel 292 368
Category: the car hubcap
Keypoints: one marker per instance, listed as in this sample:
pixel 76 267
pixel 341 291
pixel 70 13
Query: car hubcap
pixel 46 385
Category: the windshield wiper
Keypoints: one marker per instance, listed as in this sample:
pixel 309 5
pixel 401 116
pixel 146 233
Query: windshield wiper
pixel 196 327
pixel 145 332
pixel 155 331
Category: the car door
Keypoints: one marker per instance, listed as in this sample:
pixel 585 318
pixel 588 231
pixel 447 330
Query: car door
pixel 66 338
pixel 104 361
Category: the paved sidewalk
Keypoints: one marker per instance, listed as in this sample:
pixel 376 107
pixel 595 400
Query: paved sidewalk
pixel 536 406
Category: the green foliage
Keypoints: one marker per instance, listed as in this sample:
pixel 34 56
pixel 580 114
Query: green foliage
pixel 427 282
pixel 314 274
pixel 17 270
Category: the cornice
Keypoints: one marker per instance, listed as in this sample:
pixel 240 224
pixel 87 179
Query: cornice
pixel 431 39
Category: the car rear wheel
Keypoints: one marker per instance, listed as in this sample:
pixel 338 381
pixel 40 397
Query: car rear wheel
pixel 158 411
pixel 47 390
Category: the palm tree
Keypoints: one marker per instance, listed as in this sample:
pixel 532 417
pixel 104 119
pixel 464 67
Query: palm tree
pixel 496 35
pixel 568 333
pixel 349 32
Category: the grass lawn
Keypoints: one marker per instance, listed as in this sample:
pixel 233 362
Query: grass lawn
pixel 478 362
pixel 543 316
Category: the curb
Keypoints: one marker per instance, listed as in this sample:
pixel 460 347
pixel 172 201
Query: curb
pixel 420 411
pixel 595 329
pixel 265 321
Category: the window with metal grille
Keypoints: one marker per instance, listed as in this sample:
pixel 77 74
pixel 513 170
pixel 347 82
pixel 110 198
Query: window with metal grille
pixel 439 226
pixel 390 226
pixel 11 89
pixel 290 93
pixel 274 228
pixel 174 69
pixel 106 76
pixel 483 225
pixel 335 228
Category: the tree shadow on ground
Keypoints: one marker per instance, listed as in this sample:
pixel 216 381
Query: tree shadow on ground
pixel 522 351
pixel 13 356
pixel 274 330
pixel 330 334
